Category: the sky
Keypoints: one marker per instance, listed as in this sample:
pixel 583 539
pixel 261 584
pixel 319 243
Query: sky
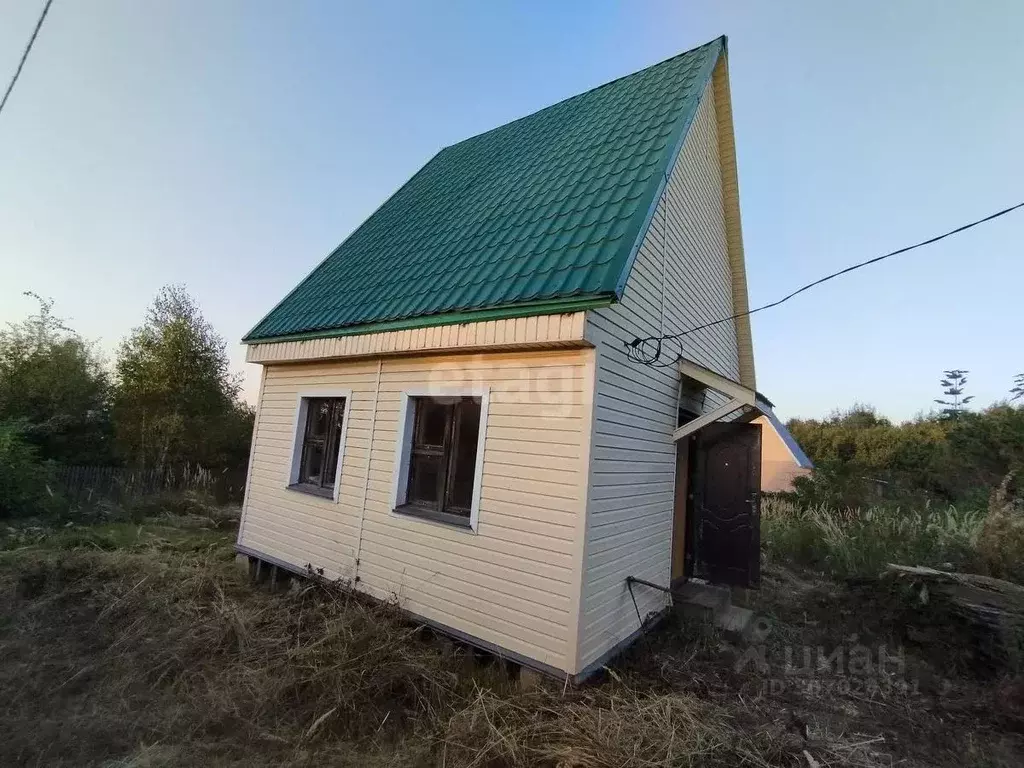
pixel 231 145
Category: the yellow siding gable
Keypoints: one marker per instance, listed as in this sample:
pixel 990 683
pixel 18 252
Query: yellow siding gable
pixel 534 332
pixel 779 468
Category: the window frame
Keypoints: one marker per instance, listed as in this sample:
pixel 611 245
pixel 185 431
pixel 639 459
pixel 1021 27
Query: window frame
pixel 403 456
pixel 298 438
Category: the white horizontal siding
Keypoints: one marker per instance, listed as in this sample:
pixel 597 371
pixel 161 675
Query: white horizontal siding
pixel 295 527
pixel 680 279
pixel 539 331
pixel 513 583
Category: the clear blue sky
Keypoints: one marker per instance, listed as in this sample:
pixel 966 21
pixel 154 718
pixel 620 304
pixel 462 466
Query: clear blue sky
pixel 231 145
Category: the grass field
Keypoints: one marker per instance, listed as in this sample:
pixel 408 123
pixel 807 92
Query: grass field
pixel 139 643
pixel 845 543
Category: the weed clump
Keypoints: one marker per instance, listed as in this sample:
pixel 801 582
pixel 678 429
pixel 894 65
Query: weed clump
pixel 135 643
pixel 1001 541
pixel 604 727
pixel 849 542
pixel 141 644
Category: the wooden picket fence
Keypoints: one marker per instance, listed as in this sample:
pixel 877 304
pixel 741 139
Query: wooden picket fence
pixel 88 485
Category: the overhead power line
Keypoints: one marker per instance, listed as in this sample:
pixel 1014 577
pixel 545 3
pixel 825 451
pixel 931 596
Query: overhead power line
pixel 650 350
pixel 24 55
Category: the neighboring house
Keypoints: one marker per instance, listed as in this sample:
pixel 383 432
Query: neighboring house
pixel 447 413
pixel 782 458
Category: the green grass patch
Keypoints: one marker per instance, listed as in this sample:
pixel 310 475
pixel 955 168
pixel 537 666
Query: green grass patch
pixel 861 542
pixel 184 535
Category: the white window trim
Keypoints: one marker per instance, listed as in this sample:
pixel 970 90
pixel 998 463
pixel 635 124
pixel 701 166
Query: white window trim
pixel 403 450
pixel 299 429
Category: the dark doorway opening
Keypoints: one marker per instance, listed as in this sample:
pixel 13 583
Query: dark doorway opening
pixel 716 530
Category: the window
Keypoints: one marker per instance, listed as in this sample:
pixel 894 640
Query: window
pixel 320 435
pixel 440 456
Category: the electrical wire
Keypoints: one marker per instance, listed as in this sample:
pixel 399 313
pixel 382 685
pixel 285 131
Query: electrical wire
pixel 649 351
pixel 24 55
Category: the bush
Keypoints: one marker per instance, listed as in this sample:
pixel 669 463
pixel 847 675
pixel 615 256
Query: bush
pixel 863 459
pixel 862 541
pixel 53 384
pixel 1001 543
pixel 25 481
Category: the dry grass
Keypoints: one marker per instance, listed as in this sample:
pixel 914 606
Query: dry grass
pixel 1001 542
pixel 110 650
pixel 140 644
pixel 605 728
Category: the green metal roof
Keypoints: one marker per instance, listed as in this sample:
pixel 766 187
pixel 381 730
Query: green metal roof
pixel 544 214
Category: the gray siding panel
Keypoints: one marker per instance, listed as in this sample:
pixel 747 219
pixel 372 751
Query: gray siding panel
pixel 681 278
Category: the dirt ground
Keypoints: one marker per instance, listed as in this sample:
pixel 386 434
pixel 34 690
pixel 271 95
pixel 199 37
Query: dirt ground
pixel 847 675
pixel 141 644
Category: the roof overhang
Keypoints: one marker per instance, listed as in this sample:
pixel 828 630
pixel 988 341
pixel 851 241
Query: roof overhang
pixel 504 312
pixel 750 402
pixel 535 332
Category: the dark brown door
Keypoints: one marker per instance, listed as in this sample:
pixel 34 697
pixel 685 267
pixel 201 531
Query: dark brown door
pixel 727 497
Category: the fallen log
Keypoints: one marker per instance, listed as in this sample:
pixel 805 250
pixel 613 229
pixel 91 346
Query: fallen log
pixel 993 609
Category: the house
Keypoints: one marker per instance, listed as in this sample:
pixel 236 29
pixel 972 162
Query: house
pixel 449 414
pixel 782 458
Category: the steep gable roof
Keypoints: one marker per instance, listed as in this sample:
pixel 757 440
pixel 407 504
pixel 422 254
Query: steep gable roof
pixel 540 215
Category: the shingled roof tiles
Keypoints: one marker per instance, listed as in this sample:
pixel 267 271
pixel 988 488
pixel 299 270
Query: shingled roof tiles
pixel 547 208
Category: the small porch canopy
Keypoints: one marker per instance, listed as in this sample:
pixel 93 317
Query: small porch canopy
pixel 749 402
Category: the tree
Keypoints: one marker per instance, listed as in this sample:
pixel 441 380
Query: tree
pixel 24 478
pixel 988 445
pixel 1017 391
pixel 953 383
pixel 177 400
pixel 54 390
